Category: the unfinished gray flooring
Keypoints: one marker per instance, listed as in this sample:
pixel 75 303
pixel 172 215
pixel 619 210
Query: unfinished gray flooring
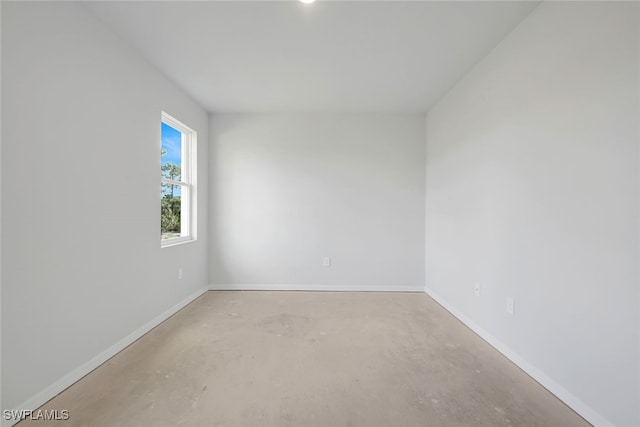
pixel 310 359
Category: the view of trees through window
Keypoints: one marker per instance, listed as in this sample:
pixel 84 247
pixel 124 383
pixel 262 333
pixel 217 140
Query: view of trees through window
pixel 171 187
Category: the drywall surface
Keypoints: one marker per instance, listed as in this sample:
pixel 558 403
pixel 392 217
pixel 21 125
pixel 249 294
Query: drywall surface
pixel 81 256
pixel 1 406
pixel 532 191
pixel 287 190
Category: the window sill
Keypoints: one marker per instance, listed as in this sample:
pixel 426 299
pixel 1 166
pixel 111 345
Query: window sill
pixel 176 241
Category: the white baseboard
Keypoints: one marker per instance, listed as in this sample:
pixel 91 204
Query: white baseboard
pixel 560 392
pixel 54 389
pixel 315 288
pixel 568 398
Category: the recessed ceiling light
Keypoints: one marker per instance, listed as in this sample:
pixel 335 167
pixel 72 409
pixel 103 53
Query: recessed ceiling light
pixel 307 1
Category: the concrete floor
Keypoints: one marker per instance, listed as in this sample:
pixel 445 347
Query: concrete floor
pixel 310 359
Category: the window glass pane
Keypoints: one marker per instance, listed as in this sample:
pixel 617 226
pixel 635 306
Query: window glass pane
pixel 177 192
pixel 171 153
pixel 170 213
pixel 170 190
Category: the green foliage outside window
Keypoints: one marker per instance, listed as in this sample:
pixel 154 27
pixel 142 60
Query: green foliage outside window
pixel 171 201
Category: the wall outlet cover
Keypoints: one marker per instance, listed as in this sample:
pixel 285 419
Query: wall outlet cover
pixel 510 306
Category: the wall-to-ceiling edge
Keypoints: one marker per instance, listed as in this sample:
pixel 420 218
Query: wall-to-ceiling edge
pixel 532 194
pixel 84 273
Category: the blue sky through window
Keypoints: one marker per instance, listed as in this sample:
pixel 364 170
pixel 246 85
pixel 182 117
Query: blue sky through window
pixel 172 143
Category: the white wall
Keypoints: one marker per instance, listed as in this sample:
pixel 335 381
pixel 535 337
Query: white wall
pixel 1 406
pixel 82 264
pixel 289 189
pixel 1 238
pixel 532 190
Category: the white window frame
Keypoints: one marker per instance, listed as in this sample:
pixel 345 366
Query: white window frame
pixel 187 182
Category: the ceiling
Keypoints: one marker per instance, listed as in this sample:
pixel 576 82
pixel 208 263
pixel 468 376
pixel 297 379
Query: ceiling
pixel 330 56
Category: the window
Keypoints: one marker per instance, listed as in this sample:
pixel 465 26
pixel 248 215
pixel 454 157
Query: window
pixel 178 201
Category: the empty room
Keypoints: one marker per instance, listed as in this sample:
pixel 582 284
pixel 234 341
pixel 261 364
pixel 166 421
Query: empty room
pixel 320 213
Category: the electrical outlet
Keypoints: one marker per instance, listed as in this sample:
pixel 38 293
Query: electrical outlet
pixel 476 290
pixel 179 273
pixel 326 262
pixel 509 307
